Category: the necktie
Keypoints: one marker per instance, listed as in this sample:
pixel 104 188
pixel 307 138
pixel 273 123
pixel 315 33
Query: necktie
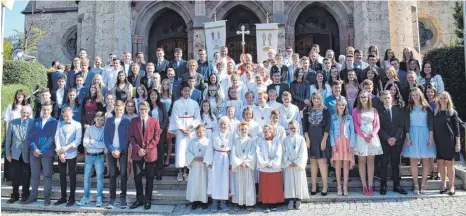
pixel 149 83
pixel 143 127
pixel 158 65
pixel 389 114
pixel 23 125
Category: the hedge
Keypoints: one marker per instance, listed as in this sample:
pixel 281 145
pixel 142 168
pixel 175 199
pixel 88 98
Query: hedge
pixel 24 73
pixel 449 62
pixel 8 94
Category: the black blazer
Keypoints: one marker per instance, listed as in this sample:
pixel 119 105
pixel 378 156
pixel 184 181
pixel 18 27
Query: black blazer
pixel 135 80
pixel 283 72
pixel 162 68
pixel 283 87
pixel 180 69
pixel 392 127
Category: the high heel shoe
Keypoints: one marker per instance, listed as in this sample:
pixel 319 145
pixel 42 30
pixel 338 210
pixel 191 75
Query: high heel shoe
pixel 339 193
pixel 371 191
pixel 452 191
pixel 416 189
pixel 365 191
pixel 345 191
pixel 422 190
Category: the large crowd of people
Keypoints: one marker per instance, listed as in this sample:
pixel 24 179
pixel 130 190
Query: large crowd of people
pixel 241 132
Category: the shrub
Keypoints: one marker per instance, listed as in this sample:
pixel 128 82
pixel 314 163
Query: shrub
pixel 24 73
pixel 8 94
pixel 449 62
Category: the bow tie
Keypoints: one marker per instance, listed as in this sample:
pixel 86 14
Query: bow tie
pixel 269 138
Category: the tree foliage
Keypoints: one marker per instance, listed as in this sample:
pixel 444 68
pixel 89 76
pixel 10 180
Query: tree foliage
pixel 459 22
pixel 7 49
pixel 27 41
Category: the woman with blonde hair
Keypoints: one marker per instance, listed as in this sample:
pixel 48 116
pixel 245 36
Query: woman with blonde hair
pixel 447 140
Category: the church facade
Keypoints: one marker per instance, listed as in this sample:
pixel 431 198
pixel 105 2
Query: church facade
pixel 104 27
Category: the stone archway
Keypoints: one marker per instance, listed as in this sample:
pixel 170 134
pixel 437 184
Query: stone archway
pixel 222 9
pixel 149 13
pixel 342 14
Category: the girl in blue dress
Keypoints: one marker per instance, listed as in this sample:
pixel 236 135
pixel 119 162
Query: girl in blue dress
pixel 419 143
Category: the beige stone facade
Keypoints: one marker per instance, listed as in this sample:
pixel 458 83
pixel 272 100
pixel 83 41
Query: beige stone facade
pixel 104 27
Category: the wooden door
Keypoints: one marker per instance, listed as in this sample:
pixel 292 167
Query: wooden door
pixel 235 48
pixel 170 44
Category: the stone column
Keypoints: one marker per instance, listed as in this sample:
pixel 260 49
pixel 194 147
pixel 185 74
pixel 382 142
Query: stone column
pixel 196 34
pixel 279 17
pixel 401 26
pixel 371 25
pixel 86 27
pixel 137 41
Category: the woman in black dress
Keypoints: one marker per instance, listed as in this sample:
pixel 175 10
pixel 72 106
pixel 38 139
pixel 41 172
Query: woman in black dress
pixel 316 127
pixel 447 140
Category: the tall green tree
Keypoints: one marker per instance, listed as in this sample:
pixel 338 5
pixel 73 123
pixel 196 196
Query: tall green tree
pixel 27 41
pixel 459 22
pixel 7 49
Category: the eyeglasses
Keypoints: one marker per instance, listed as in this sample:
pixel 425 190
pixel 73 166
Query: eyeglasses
pixel 143 109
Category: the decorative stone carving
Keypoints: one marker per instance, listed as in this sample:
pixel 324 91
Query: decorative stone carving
pixel 69 42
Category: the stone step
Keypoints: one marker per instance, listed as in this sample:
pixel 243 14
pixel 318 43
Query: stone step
pixel 171 170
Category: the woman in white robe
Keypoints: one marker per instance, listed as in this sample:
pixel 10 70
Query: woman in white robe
pixel 185 117
pixel 243 165
pixel 294 164
pixel 217 158
pixel 209 120
pixel 196 192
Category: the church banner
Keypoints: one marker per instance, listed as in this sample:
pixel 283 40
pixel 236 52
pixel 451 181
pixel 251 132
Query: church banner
pixel 215 37
pixel 267 38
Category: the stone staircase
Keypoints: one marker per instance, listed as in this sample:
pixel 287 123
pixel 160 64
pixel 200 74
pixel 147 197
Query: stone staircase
pixel 170 191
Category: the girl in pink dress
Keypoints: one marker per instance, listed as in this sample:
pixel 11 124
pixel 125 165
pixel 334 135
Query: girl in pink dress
pixel 351 88
pixel 342 139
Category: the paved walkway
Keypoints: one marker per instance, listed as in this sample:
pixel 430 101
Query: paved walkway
pixel 417 206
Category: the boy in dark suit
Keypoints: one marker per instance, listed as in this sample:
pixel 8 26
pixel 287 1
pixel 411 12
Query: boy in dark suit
pixel 278 85
pixel 391 135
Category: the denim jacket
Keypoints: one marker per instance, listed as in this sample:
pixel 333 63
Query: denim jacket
pixel 348 130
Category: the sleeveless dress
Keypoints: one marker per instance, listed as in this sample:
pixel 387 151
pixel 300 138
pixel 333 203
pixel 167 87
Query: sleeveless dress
pixel 374 147
pixel 342 144
pixel 351 95
pixel 419 135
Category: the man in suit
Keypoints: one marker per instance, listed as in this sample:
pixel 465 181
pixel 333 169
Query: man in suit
pixel 178 64
pixel 45 96
pixel 144 136
pixel 372 60
pixel 175 84
pixel 278 85
pixel 401 73
pixel 116 141
pixel 358 62
pixel 140 60
pixel 205 68
pixel 391 135
pixel 126 62
pixel 146 80
pixel 42 153
pixel 55 75
pixel 86 74
pixel 161 64
pixel 350 67
pixel 281 68
pixel 17 153
pixel 195 94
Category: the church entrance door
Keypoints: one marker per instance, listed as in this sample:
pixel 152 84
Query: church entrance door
pixel 236 17
pixel 315 25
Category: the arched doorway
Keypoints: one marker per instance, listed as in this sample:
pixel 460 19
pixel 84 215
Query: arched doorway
pixel 315 25
pixel 236 17
pixel 168 31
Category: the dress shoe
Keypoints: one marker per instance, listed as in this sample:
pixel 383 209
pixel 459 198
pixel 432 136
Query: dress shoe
pixel 148 205
pixel 12 200
pixel 136 204
pixel 194 205
pixel 70 203
pixel 400 190
pixel 47 202
pixel 29 201
pixel 383 189
pixel 23 199
pixel 158 178
pixel 60 201
pixel 204 205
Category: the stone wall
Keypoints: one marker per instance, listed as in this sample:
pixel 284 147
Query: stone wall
pixel 401 26
pixel 54 4
pixel 56 26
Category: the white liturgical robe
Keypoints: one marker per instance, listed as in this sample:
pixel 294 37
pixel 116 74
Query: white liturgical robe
pixel 185 115
pixel 244 151
pixel 220 181
pixel 262 114
pixel 290 113
pixel 269 153
pixel 295 151
pixel 197 179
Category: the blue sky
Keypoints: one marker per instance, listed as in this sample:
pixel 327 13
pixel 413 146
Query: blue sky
pixel 14 19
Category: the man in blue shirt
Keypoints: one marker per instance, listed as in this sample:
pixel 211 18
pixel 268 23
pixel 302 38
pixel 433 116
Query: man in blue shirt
pixel 205 68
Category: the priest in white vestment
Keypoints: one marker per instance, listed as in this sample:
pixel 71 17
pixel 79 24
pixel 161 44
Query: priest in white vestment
pixel 196 192
pixel 294 164
pixel 243 165
pixel 184 119
pixel 217 158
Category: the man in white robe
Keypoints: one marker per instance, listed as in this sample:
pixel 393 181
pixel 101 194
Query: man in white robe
pixel 274 121
pixel 289 112
pixel 262 111
pixel 185 117
pixel 243 164
pixel 294 164
pixel 217 158
pixel 196 191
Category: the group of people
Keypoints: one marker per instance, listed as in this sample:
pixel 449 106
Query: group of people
pixel 241 131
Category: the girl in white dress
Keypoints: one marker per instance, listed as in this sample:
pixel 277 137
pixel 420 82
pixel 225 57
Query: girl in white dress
pixel 366 125
pixel 209 120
